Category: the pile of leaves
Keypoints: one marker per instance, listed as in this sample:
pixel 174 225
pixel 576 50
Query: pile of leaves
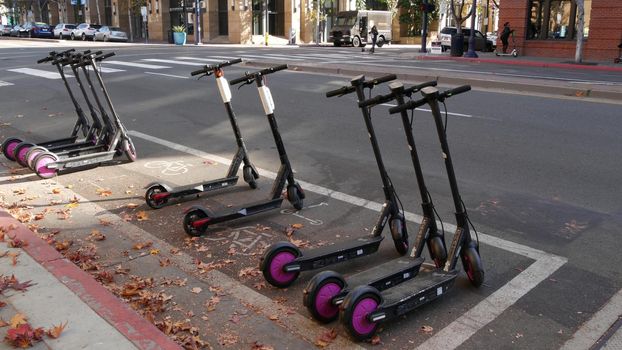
pixel 22 335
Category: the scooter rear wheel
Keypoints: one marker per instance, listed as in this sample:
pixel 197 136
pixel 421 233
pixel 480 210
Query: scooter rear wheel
pixel 32 153
pixel 190 218
pixel 41 162
pixel 357 307
pixel 20 152
pixel 319 294
pixel 153 202
pixel 8 147
pixel 273 261
pixel 472 263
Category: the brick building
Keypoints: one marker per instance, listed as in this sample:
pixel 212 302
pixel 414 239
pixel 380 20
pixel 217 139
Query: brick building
pixel 547 28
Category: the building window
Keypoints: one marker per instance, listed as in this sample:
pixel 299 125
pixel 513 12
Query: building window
pixel 556 19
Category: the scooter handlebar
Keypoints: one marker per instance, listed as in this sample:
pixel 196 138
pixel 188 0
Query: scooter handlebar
pixel 380 80
pixel 344 90
pixel 108 55
pixel 452 92
pixel 408 105
pixel 416 88
pixel 209 69
pixel 249 77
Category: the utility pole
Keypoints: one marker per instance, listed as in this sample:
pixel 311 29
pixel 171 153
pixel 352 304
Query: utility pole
pixel 424 31
pixel 317 23
pixel 197 22
pixel 471 53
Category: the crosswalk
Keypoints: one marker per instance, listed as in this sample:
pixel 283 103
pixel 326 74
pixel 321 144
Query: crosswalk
pixel 169 63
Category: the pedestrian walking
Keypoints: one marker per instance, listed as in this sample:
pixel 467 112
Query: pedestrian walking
pixel 505 34
pixel 374 37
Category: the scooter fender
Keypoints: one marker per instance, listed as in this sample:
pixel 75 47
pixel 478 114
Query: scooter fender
pixel 274 247
pixel 205 211
pixel 167 187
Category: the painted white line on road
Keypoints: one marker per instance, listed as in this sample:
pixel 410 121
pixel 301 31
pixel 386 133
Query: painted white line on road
pixel 37 73
pixel 138 65
pixel 204 60
pixel 106 70
pixel 490 308
pixel 427 110
pixel 168 75
pixel 5 83
pixel 486 311
pixel 600 323
pixel 172 62
pixel 265 57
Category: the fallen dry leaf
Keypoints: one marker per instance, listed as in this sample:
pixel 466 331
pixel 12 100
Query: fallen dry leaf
pixel 196 290
pixel 259 346
pixel 56 331
pixel 273 317
pixel 131 205
pixel 142 216
pixel 104 192
pixel 427 329
pixel 326 338
pixel 297 226
pixel 375 340
pixel 56 190
pixel 142 245
pixel 17 320
pixel 97 235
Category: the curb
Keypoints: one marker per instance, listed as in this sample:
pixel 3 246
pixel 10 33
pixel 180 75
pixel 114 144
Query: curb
pixel 135 328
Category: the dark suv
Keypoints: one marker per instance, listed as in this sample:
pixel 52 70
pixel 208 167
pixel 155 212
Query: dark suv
pixel 481 42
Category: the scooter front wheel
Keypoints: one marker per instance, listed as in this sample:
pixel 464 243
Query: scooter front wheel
pixel 129 150
pixel 472 263
pixel 156 196
pixel 249 176
pixel 41 165
pixel 357 307
pixel 295 195
pixel 32 153
pixel 399 234
pixel 8 147
pixel 437 250
pixel 273 262
pixel 190 223
pixel 20 152
pixel 319 294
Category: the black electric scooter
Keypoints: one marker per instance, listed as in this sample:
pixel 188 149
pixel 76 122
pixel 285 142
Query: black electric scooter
pixel 197 218
pixel 158 194
pixel 47 164
pixel 15 149
pixel 327 290
pixel 99 132
pixel 365 306
pixel 282 262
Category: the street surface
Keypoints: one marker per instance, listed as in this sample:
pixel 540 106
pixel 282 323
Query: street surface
pixel 539 174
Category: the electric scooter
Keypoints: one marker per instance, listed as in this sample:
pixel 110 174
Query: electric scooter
pixel 15 148
pixel 96 136
pixel 327 290
pixel 158 194
pixel 513 53
pixel 282 262
pixel 365 306
pixel 48 164
pixel 197 218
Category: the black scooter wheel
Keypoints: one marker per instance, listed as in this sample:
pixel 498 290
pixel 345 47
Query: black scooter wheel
pixel 190 218
pixel 32 153
pixel 437 250
pixel 249 176
pixel 129 150
pixel 273 262
pixel 319 294
pixel 355 311
pixel 295 195
pixel 472 263
pixel 156 203
pixel 20 152
pixel 399 234
pixel 8 147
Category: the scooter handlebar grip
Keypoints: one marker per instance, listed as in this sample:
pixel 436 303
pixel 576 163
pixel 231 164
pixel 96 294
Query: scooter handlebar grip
pixel 377 100
pixel 341 91
pixel 199 71
pixel 44 60
pixel 408 105
pixel 455 91
pixel 383 79
pixel 241 79
pixel 420 86
pixel 228 63
pixel 272 69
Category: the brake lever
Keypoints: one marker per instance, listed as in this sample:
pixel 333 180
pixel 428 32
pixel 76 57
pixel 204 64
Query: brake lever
pixel 247 82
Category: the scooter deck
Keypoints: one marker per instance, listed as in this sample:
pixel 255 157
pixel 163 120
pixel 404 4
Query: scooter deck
pixel 345 250
pixel 247 210
pixel 82 160
pixel 59 142
pixel 81 151
pixel 413 293
pixel 389 274
pixel 69 146
pixel 206 186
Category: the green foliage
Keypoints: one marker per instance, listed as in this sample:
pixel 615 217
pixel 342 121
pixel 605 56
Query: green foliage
pixel 361 4
pixel 412 15
pixel 179 29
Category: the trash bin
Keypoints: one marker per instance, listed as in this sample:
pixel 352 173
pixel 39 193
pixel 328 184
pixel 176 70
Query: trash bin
pixel 170 36
pixel 457 45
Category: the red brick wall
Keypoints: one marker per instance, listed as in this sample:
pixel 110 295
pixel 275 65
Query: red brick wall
pixel 602 44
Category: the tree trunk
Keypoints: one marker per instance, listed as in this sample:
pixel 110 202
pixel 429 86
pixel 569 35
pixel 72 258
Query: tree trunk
pixel 129 17
pixel 40 16
pixel 578 56
pixel 99 17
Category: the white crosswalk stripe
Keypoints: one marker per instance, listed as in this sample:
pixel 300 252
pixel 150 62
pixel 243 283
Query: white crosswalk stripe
pixel 201 59
pixel 106 70
pixel 38 73
pixel 5 83
pixel 137 65
pixel 172 62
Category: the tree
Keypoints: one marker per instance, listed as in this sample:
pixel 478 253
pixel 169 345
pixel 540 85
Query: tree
pixel 578 56
pixel 412 15
pixel 458 18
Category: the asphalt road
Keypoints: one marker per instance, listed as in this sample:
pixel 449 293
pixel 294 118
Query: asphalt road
pixel 540 172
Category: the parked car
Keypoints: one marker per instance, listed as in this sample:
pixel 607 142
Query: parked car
pixel 63 30
pixel 492 36
pixel 84 31
pixel 5 29
pixel 37 30
pixel 481 42
pixel 106 33
pixel 16 30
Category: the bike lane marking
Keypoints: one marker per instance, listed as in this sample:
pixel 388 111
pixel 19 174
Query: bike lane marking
pixel 457 332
